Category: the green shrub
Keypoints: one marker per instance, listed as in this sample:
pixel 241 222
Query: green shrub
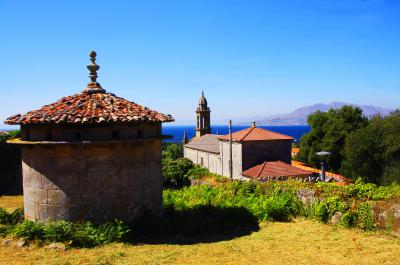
pixel 281 207
pixel 17 216
pixel 115 231
pixel 335 204
pixel 4 216
pixel 320 211
pixel 29 230
pixel 60 231
pixel 348 219
pixel 175 172
pixel 197 172
pixel 14 217
pixel 5 230
pixel 366 219
pixel 85 235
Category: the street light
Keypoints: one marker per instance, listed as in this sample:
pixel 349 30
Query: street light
pixel 323 154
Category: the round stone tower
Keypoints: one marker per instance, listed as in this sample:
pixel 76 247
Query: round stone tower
pixel 91 156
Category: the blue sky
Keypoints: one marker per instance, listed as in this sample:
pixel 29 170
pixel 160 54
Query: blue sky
pixel 251 58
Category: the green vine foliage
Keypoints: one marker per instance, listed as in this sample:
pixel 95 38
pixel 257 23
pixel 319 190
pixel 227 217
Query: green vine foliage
pixel 366 216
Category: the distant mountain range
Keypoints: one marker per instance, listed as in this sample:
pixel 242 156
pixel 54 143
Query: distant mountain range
pixel 299 116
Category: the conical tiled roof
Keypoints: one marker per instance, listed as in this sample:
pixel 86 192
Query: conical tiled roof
pixel 92 106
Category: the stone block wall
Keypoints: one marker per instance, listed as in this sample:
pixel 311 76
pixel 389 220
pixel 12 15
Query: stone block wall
pixel 96 182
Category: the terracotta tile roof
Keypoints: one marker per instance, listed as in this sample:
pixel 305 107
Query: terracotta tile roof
pixel 274 169
pixel 90 108
pixel 295 150
pixel 337 177
pixel 207 143
pixel 255 134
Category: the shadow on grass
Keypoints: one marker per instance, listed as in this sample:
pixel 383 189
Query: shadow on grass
pixel 204 224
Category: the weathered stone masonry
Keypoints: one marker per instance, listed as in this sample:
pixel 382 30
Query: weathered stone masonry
pixel 92 181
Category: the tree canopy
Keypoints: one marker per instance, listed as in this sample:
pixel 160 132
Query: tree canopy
pixel 328 132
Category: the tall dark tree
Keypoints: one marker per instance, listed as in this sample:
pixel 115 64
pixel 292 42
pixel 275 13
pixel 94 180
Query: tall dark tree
pixel 364 154
pixel 328 132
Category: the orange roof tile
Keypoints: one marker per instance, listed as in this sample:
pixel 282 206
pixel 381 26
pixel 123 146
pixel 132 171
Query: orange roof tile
pixel 90 108
pixel 255 134
pixel 337 177
pixel 274 169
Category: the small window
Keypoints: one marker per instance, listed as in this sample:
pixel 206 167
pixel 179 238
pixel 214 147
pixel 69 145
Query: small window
pixel 139 134
pixel 78 137
pixel 115 134
pixel 201 162
pixel 49 136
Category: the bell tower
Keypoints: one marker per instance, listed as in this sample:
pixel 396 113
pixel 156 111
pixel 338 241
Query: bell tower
pixel 202 117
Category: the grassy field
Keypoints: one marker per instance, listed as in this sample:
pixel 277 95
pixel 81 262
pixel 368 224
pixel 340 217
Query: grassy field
pixel 297 242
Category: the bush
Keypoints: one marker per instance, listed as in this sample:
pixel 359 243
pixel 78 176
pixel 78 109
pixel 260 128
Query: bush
pixel 85 234
pixel 320 211
pixel 60 231
pixel 334 205
pixel 29 230
pixel 366 216
pixel 115 231
pixel 12 218
pixel 197 172
pixel 175 172
pixel 348 219
pixel 172 151
pixel 281 207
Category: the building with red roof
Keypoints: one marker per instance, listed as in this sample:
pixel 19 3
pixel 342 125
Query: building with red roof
pixel 91 156
pixel 275 170
pixel 250 154
pixel 247 148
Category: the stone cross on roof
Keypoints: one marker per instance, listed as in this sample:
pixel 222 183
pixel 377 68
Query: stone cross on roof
pixel 93 86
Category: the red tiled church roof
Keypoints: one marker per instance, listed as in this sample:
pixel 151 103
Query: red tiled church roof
pixel 92 106
pixel 274 169
pixel 255 134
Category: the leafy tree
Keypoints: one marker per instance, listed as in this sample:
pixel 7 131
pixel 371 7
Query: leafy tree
pixel 175 172
pixel 364 154
pixel 373 153
pixel 328 132
pixel 172 151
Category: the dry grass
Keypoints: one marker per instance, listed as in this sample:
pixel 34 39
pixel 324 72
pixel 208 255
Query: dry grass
pixel 11 202
pixel 297 242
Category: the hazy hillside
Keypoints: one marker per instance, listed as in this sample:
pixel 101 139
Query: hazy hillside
pixel 299 116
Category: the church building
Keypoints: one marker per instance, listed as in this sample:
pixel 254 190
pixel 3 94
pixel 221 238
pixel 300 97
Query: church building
pixel 252 153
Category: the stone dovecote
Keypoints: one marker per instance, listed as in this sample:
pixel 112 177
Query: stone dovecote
pixel 91 156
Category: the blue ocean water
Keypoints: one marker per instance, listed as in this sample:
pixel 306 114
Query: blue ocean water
pixel 177 131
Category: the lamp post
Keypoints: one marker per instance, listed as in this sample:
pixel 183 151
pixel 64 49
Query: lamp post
pixel 323 154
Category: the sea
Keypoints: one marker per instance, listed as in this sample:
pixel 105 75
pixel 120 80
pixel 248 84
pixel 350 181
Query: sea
pixel 176 131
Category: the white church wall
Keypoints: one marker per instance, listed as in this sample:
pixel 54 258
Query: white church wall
pixel 210 161
pixel 236 159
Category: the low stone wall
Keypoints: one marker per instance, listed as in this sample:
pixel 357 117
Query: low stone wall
pixel 387 215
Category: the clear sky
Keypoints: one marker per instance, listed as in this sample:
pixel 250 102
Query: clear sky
pixel 252 58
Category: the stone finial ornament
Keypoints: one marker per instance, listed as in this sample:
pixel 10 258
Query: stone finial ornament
pixel 93 86
pixel 254 124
